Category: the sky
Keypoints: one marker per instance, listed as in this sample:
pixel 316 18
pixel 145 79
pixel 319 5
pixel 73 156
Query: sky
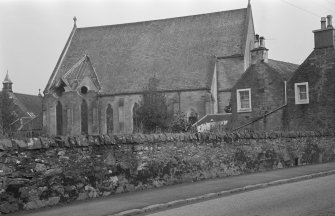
pixel 34 32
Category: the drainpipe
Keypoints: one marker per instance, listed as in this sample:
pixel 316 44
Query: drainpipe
pixel 265 115
pixel 285 86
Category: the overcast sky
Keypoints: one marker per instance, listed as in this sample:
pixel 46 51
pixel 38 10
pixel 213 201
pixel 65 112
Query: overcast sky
pixel 34 32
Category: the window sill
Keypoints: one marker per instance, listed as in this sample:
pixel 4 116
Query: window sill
pixel 302 102
pixel 244 110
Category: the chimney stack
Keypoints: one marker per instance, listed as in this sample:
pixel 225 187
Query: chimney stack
pixel 325 37
pixel 323 23
pixel 329 20
pixel 259 53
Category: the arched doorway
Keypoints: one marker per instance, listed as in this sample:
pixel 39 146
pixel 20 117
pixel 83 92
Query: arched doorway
pixel 109 119
pixel 84 117
pixel 59 118
pixel 136 121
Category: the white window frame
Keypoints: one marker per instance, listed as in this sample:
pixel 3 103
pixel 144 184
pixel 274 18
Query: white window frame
pixel 298 100
pixel 239 108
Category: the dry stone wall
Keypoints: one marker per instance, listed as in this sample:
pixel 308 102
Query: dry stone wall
pixel 40 172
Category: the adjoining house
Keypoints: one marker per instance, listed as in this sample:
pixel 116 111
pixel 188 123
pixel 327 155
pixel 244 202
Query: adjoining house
pixel 311 90
pixel 102 71
pixel 258 97
pixel 28 109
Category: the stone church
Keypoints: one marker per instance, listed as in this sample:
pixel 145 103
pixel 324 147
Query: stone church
pixel 102 71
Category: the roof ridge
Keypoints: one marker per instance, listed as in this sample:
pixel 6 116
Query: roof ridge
pixel 162 19
pixel 284 62
pixel 26 94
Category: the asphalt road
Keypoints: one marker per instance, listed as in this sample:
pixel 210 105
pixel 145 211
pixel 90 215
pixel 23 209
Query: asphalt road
pixel 314 197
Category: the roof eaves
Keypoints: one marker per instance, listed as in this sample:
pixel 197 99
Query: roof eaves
pixel 60 59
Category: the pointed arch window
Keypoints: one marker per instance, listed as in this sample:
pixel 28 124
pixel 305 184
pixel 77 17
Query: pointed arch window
pixel 109 119
pixel 84 117
pixel 59 118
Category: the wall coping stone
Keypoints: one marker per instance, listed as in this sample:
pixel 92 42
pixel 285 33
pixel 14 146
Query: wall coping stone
pixel 7 144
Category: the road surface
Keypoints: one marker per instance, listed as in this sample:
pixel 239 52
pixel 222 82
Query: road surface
pixel 314 197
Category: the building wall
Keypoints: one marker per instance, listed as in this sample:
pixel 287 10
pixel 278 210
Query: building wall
pixel 229 70
pixel 318 70
pixel 122 105
pixel 267 94
pixel 71 112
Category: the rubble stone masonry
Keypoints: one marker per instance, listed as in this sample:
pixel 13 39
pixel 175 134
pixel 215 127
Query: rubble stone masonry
pixel 40 172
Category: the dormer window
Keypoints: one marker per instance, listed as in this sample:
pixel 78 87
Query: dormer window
pixel 243 100
pixel 301 93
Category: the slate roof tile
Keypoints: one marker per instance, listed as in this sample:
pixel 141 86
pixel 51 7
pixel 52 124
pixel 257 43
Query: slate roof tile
pixel 177 51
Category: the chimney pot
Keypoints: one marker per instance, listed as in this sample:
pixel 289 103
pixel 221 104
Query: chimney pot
pixel 262 42
pixel 323 22
pixel 329 19
pixel 256 41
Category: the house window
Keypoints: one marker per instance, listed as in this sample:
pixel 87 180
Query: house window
pixel 243 100
pixel 301 93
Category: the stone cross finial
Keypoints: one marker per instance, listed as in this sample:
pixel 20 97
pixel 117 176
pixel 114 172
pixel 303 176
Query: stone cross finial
pixel 75 20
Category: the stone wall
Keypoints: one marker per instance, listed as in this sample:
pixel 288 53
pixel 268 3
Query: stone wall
pixel 41 172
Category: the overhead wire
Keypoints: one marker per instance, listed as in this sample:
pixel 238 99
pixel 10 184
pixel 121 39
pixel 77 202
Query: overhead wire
pixel 324 7
pixel 300 8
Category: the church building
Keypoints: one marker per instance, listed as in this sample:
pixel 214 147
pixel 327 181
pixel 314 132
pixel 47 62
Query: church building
pixel 102 72
pixel 27 109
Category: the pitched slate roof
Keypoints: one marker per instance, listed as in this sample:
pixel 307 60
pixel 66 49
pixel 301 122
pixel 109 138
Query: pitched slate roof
pixel 285 69
pixel 177 51
pixel 28 103
pixel 75 75
pixel 33 124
